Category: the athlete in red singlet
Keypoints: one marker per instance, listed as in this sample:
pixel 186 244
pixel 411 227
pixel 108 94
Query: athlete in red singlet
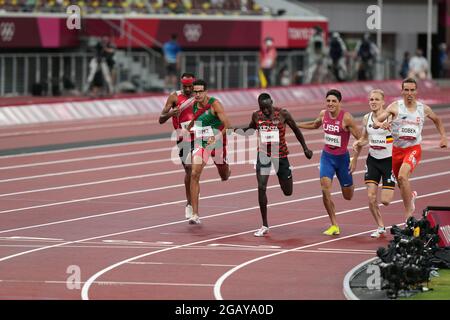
pixel 179 108
pixel 271 124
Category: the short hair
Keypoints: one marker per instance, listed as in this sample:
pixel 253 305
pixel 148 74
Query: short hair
pixel 187 75
pixel 381 92
pixel 409 80
pixel 264 96
pixel 200 82
pixel 335 93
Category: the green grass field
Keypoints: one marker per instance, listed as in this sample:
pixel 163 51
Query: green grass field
pixel 440 286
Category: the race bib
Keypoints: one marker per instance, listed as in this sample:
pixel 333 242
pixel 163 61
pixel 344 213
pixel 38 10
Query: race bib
pixel 332 140
pixel 203 132
pixel 377 141
pixel 270 136
pixel 408 132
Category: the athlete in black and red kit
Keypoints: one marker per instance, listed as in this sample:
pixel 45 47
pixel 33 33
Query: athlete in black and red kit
pixel 271 123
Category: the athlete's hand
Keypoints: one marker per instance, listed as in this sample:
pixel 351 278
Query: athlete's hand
pixel 174 112
pixel 386 126
pixel 308 153
pixel 211 140
pixel 443 143
pixel 356 146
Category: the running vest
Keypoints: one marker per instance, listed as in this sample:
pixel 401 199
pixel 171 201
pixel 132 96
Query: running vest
pixel 336 138
pixel 407 126
pixel 380 140
pixel 271 134
pixel 186 114
pixel 207 124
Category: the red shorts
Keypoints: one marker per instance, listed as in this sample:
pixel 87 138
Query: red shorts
pixel 410 155
pixel 219 155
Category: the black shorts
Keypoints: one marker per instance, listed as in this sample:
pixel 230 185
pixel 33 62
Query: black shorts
pixel 185 149
pixel 377 169
pixel 281 166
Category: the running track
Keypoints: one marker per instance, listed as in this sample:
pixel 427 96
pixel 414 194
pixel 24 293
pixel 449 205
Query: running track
pixel 116 212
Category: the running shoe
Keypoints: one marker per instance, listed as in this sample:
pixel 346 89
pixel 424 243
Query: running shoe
pixel 188 211
pixel 333 230
pixel 377 233
pixel 194 219
pixel 261 232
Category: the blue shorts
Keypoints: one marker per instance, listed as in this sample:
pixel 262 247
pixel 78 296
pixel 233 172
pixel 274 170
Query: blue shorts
pixel 331 164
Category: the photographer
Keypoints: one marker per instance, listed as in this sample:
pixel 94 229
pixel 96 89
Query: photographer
pixel 101 68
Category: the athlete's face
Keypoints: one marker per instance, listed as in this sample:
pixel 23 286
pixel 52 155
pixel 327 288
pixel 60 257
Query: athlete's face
pixel 376 101
pixel 333 104
pixel 199 93
pixel 266 107
pixel 409 92
pixel 187 88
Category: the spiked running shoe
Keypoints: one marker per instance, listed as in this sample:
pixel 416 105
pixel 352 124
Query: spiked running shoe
pixel 194 219
pixel 261 232
pixel 333 230
pixel 377 233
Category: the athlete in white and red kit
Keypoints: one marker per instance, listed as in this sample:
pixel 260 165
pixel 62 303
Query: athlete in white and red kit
pixel 179 107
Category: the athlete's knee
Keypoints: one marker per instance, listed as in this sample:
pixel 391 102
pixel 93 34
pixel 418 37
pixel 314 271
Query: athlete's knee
pixel 385 202
pixel 372 198
pixel 402 179
pixel 287 192
pixel 195 175
pixel 262 187
pixel 348 196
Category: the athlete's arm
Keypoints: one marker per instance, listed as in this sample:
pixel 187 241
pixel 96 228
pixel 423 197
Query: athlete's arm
pixel 169 109
pixel 391 110
pixel 438 123
pixel 351 126
pixel 298 134
pixel 220 113
pixel 250 129
pixel 364 140
pixel 315 124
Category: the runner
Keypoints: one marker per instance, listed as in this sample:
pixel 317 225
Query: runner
pixel 408 117
pixel 179 107
pixel 271 123
pixel 379 160
pixel 335 158
pixel 209 124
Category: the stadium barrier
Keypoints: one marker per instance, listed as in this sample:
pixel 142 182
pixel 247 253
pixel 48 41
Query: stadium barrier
pixel 235 100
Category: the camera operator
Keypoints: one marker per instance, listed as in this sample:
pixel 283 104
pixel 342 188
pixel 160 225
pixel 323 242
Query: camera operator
pixel 101 67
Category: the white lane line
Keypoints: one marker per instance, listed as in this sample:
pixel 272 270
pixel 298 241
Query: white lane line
pixel 85 289
pixel 182 185
pixel 182 201
pixel 110 283
pixel 141 163
pixel 29 238
pixel 356 250
pixel 182 264
pixel 242 246
pixel 442 114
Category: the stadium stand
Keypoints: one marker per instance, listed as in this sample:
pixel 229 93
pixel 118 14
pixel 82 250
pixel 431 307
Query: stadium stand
pixel 245 7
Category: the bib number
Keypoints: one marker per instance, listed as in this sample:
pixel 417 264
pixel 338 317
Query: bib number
pixel 408 132
pixel 332 140
pixel 204 132
pixel 270 136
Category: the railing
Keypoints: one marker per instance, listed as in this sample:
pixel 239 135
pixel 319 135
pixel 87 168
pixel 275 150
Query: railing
pixel 223 70
pixel 20 72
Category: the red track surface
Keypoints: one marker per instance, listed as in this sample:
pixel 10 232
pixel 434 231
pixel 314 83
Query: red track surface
pixel 117 212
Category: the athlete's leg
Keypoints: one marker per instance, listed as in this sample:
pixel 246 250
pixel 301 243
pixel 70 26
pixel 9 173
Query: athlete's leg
pixel 187 182
pixel 197 167
pixel 262 195
pixel 284 174
pixel 405 188
pixel 372 191
pixel 224 171
pixel 326 184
